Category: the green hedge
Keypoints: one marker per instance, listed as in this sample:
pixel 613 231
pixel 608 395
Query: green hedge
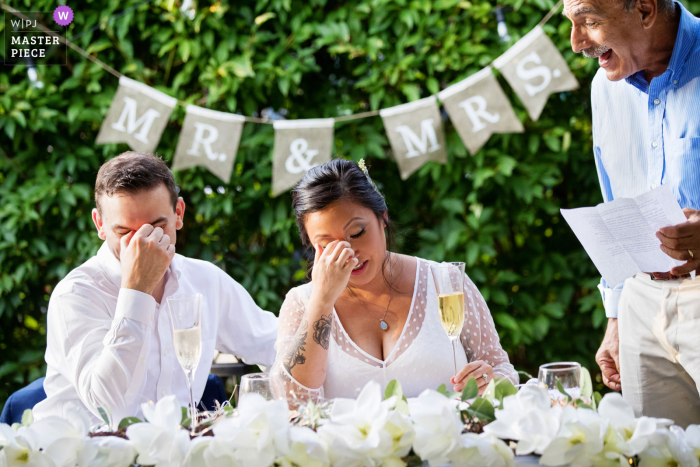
pixel 498 211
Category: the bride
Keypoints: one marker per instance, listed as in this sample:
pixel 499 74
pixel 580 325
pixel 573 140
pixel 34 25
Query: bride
pixel 370 314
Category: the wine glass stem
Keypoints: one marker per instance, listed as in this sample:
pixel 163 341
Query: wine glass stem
pixel 193 408
pixel 454 355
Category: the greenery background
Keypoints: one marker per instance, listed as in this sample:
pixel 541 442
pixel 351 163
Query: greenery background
pixel 498 210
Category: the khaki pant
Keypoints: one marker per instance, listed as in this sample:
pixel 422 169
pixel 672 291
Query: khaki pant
pixel 659 325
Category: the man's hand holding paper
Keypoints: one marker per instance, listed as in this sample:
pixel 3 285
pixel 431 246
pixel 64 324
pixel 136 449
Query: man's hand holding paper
pixel 621 236
pixel 682 242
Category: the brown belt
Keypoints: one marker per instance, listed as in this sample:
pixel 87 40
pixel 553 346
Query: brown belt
pixel 667 276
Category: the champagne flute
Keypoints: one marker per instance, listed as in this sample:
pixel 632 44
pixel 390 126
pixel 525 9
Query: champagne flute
pixel 567 373
pixel 449 284
pixel 185 318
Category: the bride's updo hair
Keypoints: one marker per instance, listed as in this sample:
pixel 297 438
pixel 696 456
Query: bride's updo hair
pixel 337 180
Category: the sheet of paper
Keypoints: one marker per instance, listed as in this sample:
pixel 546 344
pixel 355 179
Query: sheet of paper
pixel 610 258
pixel 620 236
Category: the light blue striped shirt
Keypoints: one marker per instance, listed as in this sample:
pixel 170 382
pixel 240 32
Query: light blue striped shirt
pixel 648 134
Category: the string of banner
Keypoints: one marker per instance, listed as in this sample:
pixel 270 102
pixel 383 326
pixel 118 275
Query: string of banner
pixel 477 107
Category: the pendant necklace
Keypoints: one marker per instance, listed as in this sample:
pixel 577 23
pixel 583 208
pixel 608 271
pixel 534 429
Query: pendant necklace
pixel 382 324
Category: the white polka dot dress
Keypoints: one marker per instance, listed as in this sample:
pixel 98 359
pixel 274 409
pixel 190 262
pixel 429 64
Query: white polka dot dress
pixel 422 357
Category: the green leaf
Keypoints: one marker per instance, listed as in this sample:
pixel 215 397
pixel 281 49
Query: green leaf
pixel 128 421
pixel 186 420
pixel 490 391
pixel 19 116
pixel 482 409
pixel 442 389
pixel 264 17
pixel 563 391
pixel 597 398
pixel 433 85
pixel 586 383
pixel 393 389
pixel 504 388
pixel 411 91
pixel 471 390
pixel 103 414
pixel 453 205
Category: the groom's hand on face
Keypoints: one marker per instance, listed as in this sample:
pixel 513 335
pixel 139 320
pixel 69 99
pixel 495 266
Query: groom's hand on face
pixel 145 256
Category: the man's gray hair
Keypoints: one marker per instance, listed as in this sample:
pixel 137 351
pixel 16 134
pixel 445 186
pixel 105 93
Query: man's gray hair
pixel 665 6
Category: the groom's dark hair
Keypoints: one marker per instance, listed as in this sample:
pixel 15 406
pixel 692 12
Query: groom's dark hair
pixel 132 172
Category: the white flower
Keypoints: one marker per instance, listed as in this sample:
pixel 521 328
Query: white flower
pixel 627 435
pixel 362 432
pixel 21 447
pixel 668 449
pixel 438 427
pixel 483 450
pixel 303 446
pixel 195 456
pixel 161 441
pixel 249 438
pixel 580 439
pixel 111 451
pixel 528 418
pixel 692 437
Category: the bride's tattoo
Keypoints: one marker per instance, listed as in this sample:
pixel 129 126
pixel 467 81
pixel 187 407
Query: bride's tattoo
pixel 322 331
pixel 294 356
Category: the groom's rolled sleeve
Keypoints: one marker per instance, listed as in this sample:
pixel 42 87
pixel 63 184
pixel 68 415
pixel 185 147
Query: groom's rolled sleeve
pixel 106 357
pixel 611 297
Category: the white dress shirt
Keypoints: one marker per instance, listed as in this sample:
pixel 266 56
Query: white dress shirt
pixel 112 348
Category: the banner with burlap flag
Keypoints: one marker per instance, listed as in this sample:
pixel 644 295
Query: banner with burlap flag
pixel 299 146
pixel 416 134
pixel 137 116
pixel 210 139
pixel 535 69
pixel 478 107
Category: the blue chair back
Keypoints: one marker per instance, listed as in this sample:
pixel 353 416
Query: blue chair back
pixel 25 398
pixel 29 396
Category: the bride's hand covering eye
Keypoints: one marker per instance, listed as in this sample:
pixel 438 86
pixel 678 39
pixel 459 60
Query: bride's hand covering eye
pixel 332 268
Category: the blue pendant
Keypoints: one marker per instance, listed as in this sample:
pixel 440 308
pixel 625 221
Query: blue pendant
pixel 383 325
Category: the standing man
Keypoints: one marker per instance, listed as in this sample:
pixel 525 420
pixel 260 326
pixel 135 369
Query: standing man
pixel 646 133
pixel 109 336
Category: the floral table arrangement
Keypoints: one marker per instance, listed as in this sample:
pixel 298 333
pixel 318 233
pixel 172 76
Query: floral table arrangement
pixel 375 429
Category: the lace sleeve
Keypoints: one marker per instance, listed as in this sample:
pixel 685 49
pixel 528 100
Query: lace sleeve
pixel 290 317
pixel 479 337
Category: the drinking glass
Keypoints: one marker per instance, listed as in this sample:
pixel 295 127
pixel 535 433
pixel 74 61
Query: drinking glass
pixel 261 383
pixel 185 317
pixel 567 373
pixel 449 284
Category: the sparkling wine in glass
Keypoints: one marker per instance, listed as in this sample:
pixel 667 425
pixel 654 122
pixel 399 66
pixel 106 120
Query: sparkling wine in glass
pixel 185 317
pixel 449 284
pixel 567 373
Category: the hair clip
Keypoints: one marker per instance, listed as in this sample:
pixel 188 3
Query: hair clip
pixel 363 167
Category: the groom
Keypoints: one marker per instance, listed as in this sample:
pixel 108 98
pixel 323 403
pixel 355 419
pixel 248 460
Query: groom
pixel 109 339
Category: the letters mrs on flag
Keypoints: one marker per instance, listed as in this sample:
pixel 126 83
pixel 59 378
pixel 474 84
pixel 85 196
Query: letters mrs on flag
pixel 535 69
pixel 478 107
pixel 416 134
pixel 137 116
pixel 299 146
pixel 210 139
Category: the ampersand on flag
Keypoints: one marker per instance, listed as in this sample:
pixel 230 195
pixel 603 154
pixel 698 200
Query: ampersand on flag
pixel 300 159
